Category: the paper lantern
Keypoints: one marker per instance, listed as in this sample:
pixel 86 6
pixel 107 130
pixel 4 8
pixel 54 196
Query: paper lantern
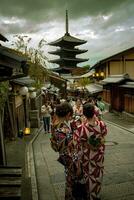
pixel 27 131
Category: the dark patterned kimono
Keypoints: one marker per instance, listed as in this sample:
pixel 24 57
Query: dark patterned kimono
pixel 61 139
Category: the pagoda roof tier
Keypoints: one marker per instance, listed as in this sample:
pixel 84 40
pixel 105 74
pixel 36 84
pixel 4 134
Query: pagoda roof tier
pixel 75 51
pixel 66 40
pixel 75 60
pixel 63 70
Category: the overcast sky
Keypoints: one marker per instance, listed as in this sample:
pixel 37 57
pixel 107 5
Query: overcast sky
pixel 107 25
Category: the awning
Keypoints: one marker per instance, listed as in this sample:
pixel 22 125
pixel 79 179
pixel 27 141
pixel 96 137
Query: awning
pixel 88 74
pixel 128 85
pixel 27 81
pixel 94 88
pixel 115 79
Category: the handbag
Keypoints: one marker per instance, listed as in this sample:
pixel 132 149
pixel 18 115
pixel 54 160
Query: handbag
pixel 62 159
pixel 79 190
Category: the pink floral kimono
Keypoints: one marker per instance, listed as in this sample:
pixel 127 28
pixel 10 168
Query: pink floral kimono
pixel 89 147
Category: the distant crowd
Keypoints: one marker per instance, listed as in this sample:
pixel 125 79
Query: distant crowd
pixel 48 109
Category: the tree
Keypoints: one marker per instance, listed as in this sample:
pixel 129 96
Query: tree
pixel 83 82
pixel 36 57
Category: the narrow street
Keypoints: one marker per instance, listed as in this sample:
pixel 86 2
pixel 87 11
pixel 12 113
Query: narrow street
pixel 118 182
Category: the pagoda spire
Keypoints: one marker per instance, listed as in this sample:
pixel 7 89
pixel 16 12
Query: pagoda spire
pixel 67 51
pixel 67 33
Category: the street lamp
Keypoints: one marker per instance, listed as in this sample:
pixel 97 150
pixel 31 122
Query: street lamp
pixel 32 92
pixel 102 74
pixel 98 75
pixel 23 91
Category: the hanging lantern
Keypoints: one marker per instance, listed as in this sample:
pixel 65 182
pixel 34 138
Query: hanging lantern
pixel 32 95
pixel 27 131
pixel 93 75
pixel 31 89
pixel 23 91
pixel 101 74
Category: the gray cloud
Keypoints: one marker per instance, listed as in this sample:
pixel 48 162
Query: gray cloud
pixel 45 9
pixel 105 24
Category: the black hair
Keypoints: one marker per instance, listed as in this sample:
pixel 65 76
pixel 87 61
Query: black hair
pixel 63 109
pixel 99 98
pixel 88 110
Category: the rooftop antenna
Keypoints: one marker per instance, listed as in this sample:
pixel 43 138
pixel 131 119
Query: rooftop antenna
pixel 67 33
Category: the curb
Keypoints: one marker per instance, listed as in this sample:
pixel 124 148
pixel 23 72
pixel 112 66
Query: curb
pixel 122 127
pixel 31 166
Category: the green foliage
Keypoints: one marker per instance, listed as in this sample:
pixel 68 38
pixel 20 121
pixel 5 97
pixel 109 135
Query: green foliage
pixel 84 81
pixel 86 67
pixel 36 57
pixel 3 93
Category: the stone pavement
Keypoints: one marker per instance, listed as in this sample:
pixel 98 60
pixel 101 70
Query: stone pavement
pixel 118 182
pixel 16 156
pixel 119 120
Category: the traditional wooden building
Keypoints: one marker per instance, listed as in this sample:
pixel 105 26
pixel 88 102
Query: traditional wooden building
pixel 113 93
pixel 117 76
pixel 120 63
pixel 19 102
pixel 67 52
pixel 11 66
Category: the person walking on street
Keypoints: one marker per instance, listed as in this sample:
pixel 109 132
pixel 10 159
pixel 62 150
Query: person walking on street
pixel 89 147
pixel 46 111
pixel 100 105
pixel 78 108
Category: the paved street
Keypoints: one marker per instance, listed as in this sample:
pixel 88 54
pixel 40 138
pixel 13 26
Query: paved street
pixel 118 183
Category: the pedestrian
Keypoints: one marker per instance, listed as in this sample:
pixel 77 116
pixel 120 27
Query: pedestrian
pixel 89 147
pixel 78 108
pixel 46 111
pixel 97 110
pixel 100 105
pixel 61 138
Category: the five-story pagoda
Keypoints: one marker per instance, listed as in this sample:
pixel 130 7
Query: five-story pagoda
pixel 67 52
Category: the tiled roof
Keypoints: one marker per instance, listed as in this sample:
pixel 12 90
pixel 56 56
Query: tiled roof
pixel 76 60
pixel 128 85
pixel 12 54
pixel 94 88
pixel 24 81
pixel 3 38
pixel 67 38
pixel 125 52
pixel 77 51
pixel 115 78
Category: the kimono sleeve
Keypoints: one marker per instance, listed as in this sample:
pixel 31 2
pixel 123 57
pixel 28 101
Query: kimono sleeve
pixel 103 128
pixel 53 142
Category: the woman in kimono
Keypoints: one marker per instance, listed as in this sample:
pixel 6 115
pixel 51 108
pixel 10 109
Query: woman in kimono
pixel 61 138
pixel 89 144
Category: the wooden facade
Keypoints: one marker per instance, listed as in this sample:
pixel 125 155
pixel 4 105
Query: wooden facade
pixel 11 67
pixel 121 64
pixel 128 96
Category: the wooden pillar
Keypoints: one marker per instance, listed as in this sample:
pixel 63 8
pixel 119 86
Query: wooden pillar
pixel 132 104
pixel 3 160
pixel 108 97
pixel 104 94
pixel 126 103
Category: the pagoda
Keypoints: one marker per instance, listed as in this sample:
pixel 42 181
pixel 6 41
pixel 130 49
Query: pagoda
pixel 67 52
